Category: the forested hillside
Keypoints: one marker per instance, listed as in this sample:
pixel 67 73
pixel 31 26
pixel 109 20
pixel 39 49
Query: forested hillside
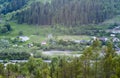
pixel 69 12
pixel 11 5
pixel 65 12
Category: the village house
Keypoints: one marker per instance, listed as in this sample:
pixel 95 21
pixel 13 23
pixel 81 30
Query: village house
pixel 24 38
pixel 43 43
pixel 77 41
pixel 103 39
pixel 112 35
pixel 116 39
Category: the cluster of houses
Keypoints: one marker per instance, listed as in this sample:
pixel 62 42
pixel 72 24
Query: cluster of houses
pixel 102 39
pixel 112 38
pixel 105 39
pixel 114 30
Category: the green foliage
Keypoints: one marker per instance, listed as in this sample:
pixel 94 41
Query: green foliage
pixel 20 33
pixel 62 67
pixel 8 26
pixel 4 44
pixel 14 54
pixel 63 45
pixel 1 69
pixel 11 5
pixel 5 28
pixel 61 12
pixel 108 60
pixel 70 13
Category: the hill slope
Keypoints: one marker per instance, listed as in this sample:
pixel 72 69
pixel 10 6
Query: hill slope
pixel 65 12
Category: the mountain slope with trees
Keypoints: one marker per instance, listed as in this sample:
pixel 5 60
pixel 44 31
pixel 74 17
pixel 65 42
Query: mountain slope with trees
pixel 8 6
pixel 65 12
pixel 69 12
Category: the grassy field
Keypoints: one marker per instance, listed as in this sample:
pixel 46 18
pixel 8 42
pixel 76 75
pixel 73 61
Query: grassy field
pixel 35 33
pixel 74 37
pixel 39 33
pixel 30 29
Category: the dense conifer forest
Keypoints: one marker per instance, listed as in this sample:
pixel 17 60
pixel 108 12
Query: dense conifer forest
pixel 65 12
pixel 69 12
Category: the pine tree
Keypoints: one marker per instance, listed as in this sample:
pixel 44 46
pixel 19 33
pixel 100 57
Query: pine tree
pixel 86 61
pixel 96 52
pixel 108 59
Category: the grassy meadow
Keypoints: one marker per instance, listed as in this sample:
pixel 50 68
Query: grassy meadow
pixel 39 33
pixel 74 37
